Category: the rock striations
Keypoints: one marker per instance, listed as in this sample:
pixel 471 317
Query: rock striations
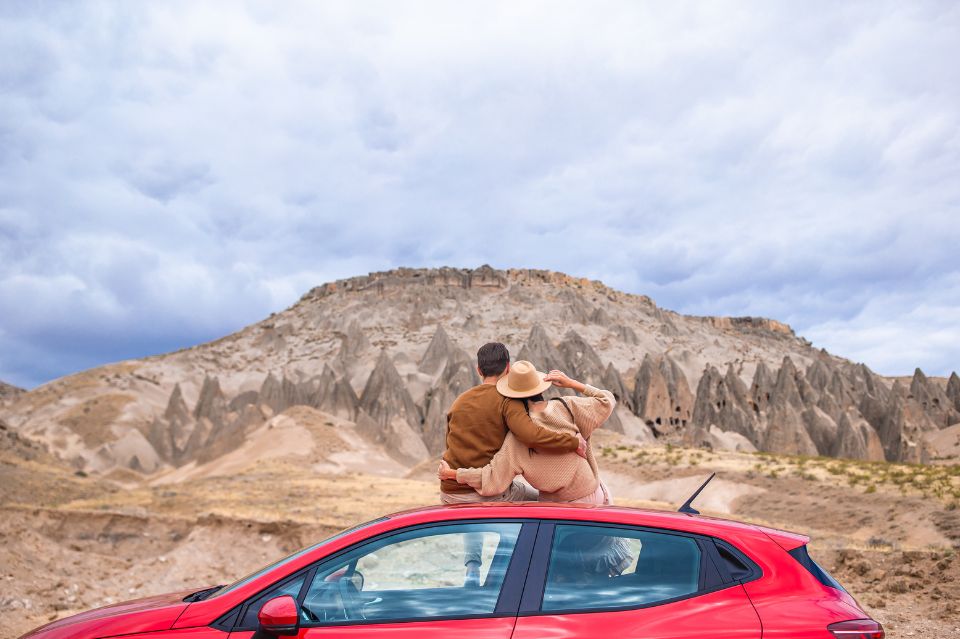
pixel 387 353
pixel 9 392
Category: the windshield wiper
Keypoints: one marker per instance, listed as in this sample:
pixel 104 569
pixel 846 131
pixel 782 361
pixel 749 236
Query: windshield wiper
pixel 200 595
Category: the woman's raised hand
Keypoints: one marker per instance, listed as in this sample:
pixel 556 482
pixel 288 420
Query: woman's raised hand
pixel 559 378
pixel 562 380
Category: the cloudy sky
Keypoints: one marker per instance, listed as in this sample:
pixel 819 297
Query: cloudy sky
pixel 170 172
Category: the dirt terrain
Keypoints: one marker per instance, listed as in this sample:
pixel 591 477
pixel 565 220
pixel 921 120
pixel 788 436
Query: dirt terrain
pixel 71 542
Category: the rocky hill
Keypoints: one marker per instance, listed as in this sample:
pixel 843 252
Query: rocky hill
pixel 388 352
pixel 9 392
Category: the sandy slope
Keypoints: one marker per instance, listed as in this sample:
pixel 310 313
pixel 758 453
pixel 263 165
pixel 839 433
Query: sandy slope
pixel 97 541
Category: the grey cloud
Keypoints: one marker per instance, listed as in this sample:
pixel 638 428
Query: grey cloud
pixel 170 172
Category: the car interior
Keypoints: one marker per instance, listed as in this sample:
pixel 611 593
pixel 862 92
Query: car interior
pixel 397 589
pixel 604 568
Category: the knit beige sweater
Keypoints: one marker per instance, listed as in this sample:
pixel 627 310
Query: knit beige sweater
pixel 558 476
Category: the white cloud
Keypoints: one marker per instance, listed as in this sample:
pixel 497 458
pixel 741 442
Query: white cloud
pixel 173 171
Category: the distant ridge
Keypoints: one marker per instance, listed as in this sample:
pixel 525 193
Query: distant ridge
pixel 9 391
pixel 388 352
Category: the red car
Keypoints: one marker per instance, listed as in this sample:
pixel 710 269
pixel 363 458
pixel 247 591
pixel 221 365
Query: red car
pixel 544 571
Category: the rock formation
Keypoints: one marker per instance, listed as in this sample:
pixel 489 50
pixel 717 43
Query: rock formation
pixel 459 374
pixel 723 404
pixel 613 382
pixel 651 397
pixel 901 426
pixel 342 400
pixel 331 394
pixel 953 390
pixel 580 360
pixel 401 335
pixel 818 374
pixel 761 388
pixel 398 439
pixel 279 394
pixel 574 308
pixel 540 351
pixel 786 432
pixel 626 335
pixel 9 392
pixel 437 353
pixel 856 438
pixel 169 433
pixel 821 428
pixel 386 402
pixel 785 390
pixel 933 400
pixel 353 344
pixel 600 317
pixel 681 399
pixel 211 404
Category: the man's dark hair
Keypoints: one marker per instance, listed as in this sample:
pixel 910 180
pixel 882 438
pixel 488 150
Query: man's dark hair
pixel 492 359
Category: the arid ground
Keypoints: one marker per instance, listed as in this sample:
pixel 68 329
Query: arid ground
pixel 889 533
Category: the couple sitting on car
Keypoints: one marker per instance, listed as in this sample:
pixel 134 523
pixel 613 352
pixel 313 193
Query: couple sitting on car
pixel 504 428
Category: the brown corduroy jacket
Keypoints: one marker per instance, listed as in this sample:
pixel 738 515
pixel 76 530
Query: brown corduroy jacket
pixel 478 423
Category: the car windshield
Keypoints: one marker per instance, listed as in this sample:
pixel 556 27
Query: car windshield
pixel 294 556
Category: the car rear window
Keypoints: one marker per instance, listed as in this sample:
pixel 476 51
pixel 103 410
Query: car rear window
pixel 737 567
pixel 801 555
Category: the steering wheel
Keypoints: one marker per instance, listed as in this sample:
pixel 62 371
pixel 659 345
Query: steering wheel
pixel 350 599
pixel 324 604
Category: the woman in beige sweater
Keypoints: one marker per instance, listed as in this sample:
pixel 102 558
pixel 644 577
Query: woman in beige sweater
pixel 560 477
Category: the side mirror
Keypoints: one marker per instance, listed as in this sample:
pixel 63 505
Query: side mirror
pixel 280 617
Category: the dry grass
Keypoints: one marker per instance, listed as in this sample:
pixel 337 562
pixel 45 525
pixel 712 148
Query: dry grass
pixel 277 490
pixel 91 420
pixel 940 482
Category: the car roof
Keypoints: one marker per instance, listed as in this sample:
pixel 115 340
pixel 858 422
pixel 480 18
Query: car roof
pixel 703 524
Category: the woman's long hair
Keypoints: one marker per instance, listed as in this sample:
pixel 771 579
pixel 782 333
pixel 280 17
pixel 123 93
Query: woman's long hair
pixel 527 400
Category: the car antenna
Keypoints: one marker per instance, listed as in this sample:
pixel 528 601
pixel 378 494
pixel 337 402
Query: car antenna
pixel 687 508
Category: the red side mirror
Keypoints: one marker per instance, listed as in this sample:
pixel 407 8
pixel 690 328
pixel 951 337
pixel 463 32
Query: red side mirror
pixel 280 617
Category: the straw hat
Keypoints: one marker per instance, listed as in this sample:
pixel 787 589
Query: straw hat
pixel 523 380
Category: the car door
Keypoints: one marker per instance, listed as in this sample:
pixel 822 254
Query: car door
pixel 411 583
pixel 603 581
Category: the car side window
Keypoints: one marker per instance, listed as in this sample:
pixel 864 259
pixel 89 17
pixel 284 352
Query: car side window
pixel 438 571
pixel 599 567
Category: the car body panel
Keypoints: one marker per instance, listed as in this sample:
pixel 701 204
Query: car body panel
pixel 491 628
pixel 140 615
pixel 790 601
pixel 794 604
pixel 676 620
pixel 202 632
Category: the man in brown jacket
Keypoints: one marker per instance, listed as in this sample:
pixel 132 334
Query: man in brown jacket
pixel 477 424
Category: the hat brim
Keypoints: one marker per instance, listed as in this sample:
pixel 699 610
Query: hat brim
pixel 506 391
